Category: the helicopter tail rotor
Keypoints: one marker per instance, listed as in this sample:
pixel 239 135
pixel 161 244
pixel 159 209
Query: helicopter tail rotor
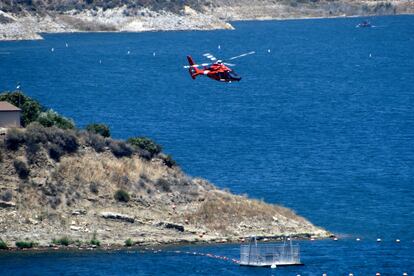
pixel 192 68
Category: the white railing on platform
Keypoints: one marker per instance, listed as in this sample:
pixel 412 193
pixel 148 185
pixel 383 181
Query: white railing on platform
pixel 257 254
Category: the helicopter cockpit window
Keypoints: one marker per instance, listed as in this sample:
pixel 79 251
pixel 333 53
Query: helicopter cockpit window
pixel 233 74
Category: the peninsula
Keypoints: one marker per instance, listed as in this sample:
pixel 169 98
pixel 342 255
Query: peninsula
pixel 61 185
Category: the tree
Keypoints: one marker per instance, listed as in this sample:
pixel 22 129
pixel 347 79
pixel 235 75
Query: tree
pixel 51 118
pixel 145 144
pixel 101 129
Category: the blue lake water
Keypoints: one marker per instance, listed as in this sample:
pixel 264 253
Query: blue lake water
pixel 322 124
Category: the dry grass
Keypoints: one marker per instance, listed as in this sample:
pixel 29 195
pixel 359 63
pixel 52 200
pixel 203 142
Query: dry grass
pixel 224 213
pixel 110 172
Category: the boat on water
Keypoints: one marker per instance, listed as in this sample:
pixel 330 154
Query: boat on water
pixel 364 24
pixel 269 254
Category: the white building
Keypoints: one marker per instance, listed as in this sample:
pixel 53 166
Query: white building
pixel 9 115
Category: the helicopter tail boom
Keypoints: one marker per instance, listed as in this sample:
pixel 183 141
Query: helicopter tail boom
pixel 192 69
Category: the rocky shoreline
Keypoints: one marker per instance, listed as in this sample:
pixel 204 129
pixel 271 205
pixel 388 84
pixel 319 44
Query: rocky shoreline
pixel 29 26
pixel 157 246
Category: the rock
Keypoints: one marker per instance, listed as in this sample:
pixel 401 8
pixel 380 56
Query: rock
pixel 92 199
pixel 117 216
pixel 33 221
pixel 39 181
pixel 170 225
pixel 7 204
pixel 78 212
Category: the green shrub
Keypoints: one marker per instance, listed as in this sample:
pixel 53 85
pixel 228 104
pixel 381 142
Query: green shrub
pixel 65 241
pixel 101 129
pixel 21 168
pixel 145 143
pixel 65 139
pixel 14 139
pixel 30 112
pixel 3 245
pixel 120 149
pixel 94 240
pixel 77 242
pixel 122 196
pixel 51 118
pixel 36 133
pixel 57 141
pixel 25 244
pixel 129 243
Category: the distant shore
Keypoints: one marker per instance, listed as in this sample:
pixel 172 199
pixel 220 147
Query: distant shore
pixel 30 26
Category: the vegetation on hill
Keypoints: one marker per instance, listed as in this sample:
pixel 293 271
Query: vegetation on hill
pixel 92 190
pixel 100 129
pixel 57 134
pixel 33 111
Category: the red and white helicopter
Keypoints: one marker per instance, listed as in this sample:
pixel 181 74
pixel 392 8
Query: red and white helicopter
pixel 217 70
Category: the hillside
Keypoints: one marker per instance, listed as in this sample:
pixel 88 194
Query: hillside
pixel 59 182
pixel 24 19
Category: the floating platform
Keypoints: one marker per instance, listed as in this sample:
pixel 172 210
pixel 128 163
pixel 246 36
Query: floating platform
pixel 269 254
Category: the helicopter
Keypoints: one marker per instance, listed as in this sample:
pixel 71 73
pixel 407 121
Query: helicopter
pixel 217 70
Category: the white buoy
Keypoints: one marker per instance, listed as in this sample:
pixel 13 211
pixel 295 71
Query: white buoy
pixel 377 274
pixel 335 239
pixel 370 55
pixel 324 274
pixel 358 239
pixel 351 274
pixel 397 240
pixel 378 240
pixel 405 274
pixel 153 54
pixel 128 52
pixel 67 45
pixel 53 49
pixel 273 266
pixel 219 47
pixel 268 50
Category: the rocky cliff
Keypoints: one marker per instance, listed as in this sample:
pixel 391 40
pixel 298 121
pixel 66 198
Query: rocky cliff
pixel 26 19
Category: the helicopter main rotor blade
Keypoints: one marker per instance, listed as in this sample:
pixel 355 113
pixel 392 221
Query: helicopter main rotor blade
pixel 197 65
pixel 242 55
pixel 210 56
pixel 229 64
